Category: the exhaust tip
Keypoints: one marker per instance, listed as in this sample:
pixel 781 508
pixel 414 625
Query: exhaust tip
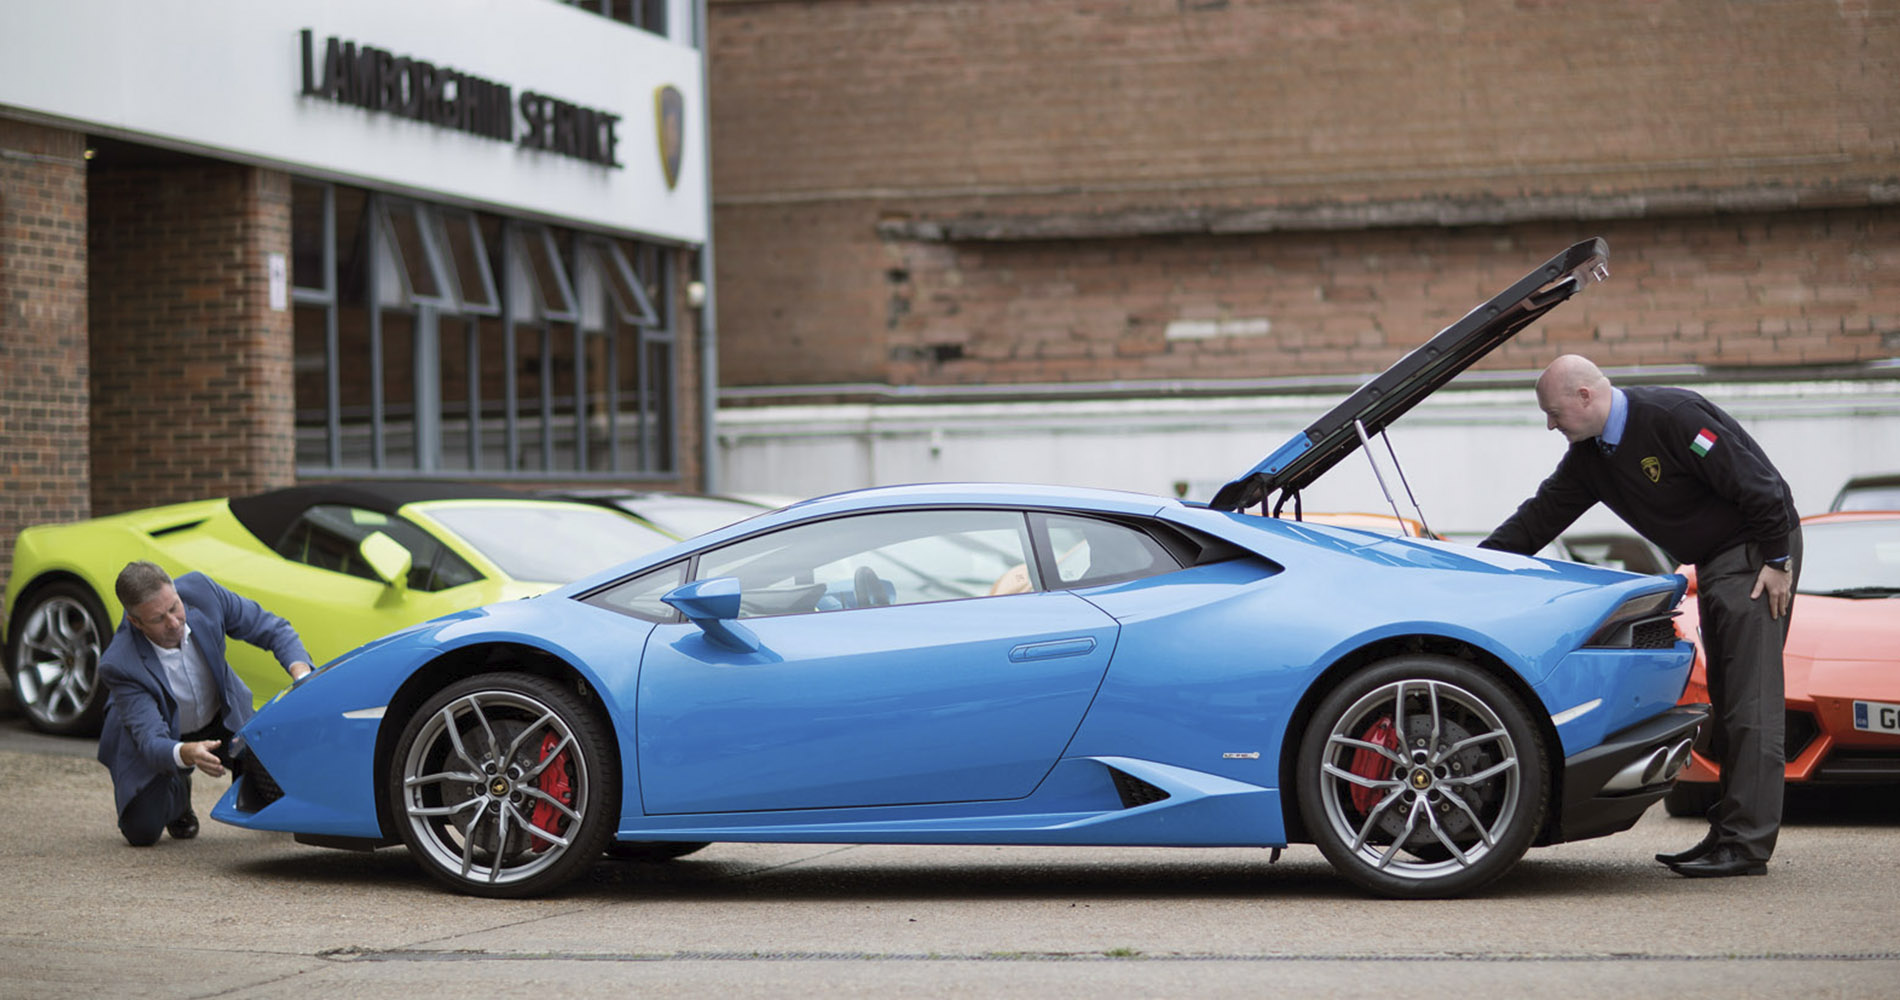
pixel 1640 774
pixel 1678 759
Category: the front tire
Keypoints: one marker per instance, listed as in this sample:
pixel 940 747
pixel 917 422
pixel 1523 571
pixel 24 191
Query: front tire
pixel 1422 777
pixel 53 659
pixel 505 785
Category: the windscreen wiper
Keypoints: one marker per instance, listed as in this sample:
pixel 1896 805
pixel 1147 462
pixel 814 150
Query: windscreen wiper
pixel 1855 592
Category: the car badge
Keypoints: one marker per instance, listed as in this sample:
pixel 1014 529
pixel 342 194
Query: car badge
pixel 1652 467
pixel 669 115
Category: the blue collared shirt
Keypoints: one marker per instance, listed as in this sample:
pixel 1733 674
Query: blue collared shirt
pixel 192 687
pixel 1619 418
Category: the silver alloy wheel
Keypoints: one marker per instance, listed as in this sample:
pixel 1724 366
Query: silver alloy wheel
pixel 56 661
pixel 1451 791
pixel 474 776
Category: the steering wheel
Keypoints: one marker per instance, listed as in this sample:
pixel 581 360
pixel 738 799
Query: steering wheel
pixel 869 589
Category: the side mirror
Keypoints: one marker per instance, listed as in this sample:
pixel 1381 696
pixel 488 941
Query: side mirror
pixel 386 558
pixel 713 605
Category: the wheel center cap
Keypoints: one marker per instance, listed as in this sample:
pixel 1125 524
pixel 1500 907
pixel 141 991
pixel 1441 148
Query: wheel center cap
pixel 498 787
pixel 1421 778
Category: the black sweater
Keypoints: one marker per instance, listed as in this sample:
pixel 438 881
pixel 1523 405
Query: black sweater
pixel 1692 504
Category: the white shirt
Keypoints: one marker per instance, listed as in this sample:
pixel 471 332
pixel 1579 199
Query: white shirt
pixel 192 685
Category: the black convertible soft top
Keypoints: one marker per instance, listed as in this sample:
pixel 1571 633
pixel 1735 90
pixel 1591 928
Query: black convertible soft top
pixel 269 515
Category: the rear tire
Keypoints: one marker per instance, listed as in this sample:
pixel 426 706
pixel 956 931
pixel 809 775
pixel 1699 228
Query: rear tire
pixel 1692 799
pixel 53 658
pixel 505 785
pixel 1446 803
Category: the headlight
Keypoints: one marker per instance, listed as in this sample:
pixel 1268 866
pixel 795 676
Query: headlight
pixel 1642 622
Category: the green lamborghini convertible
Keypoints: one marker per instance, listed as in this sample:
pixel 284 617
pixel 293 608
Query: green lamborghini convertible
pixel 344 562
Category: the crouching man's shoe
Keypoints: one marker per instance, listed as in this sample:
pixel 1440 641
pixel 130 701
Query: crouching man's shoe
pixel 184 827
pixel 1722 861
pixel 1708 844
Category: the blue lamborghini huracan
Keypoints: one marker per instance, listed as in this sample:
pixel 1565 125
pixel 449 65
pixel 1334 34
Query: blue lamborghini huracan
pixel 1011 664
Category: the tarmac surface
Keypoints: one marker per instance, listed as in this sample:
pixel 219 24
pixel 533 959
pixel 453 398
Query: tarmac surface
pixel 248 915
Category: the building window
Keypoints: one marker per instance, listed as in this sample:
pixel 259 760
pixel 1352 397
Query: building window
pixel 439 341
pixel 648 14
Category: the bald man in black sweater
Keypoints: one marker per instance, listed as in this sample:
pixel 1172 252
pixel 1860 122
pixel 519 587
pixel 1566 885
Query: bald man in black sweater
pixel 1686 476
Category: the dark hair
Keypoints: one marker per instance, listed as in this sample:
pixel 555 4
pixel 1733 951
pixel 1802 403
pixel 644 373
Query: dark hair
pixel 137 582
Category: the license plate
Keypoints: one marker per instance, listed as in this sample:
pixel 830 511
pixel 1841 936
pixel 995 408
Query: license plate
pixel 1877 716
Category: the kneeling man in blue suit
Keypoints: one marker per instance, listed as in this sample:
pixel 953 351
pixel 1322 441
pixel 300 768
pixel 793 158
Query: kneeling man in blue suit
pixel 173 698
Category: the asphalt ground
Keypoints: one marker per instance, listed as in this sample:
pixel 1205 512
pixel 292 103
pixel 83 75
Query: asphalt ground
pixel 241 914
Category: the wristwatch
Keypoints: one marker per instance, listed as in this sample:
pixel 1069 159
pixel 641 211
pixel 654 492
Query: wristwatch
pixel 1780 564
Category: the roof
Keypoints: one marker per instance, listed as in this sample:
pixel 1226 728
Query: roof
pixel 269 515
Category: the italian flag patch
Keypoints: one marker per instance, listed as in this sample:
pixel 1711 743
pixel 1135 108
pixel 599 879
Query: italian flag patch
pixel 1704 441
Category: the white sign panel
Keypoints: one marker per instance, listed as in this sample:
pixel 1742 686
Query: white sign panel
pixel 532 108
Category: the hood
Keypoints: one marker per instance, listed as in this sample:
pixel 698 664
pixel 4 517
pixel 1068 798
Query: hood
pixel 1390 394
pixel 1845 648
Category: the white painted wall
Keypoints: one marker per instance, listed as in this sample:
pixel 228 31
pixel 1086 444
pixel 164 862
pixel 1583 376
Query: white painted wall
pixel 223 78
pixel 1471 455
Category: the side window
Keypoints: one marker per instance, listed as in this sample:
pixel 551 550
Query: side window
pixel 640 596
pixel 326 536
pixel 1086 552
pixel 871 560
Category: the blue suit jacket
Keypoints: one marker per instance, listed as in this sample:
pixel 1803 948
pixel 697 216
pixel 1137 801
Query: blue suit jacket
pixel 141 723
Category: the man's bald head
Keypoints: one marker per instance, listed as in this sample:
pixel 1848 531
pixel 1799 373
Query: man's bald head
pixel 1575 397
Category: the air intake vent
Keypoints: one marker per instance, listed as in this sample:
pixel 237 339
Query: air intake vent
pixel 256 788
pixel 1798 730
pixel 1134 791
pixel 1659 633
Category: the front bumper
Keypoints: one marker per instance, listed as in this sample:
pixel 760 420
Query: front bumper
pixel 1607 787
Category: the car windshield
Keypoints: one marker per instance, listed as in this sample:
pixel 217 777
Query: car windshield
pixel 549 542
pixel 1851 558
pixel 689 516
pixel 1884 496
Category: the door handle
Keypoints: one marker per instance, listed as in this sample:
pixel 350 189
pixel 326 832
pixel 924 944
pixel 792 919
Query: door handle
pixel 1053 649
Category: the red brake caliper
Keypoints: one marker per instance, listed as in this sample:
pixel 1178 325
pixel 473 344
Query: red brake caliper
pixel 1374 765
pixel 555 783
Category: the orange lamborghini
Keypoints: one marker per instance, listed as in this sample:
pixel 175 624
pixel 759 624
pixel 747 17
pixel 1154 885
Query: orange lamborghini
pixel 1842 661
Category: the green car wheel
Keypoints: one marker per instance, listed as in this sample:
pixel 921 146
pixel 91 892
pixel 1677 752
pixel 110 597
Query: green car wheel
pixel 54 659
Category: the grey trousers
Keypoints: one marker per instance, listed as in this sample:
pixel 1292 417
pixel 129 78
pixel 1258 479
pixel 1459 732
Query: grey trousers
pixel 1743 648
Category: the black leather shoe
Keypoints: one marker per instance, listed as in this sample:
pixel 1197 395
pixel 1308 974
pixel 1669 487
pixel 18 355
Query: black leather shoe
pixel 184 827
pixel 1708 844
pixel 1722 861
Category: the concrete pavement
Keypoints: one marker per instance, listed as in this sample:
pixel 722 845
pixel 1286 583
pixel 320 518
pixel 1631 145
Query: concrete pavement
pixel 238 914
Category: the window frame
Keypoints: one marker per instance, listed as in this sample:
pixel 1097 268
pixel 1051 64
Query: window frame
pixel 620 422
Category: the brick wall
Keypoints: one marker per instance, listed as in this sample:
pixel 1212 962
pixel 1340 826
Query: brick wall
pixel 1809 288
pixel 883 167
pixel 43 363
pixel 191 367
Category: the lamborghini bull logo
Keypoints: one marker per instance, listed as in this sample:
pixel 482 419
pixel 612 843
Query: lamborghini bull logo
pixel 1652 467
pixel 669 114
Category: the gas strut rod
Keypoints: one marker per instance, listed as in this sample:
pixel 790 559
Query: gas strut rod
pixel 1386 436
pixel 1366 443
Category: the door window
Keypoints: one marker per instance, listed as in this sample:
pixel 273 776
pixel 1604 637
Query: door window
pixel 326 536
pixel 872 560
